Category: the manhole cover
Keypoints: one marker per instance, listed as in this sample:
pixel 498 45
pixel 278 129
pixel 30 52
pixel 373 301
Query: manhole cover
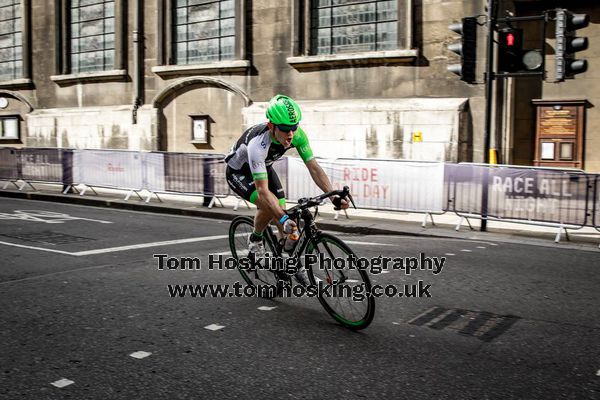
pixel 48 237
pixel 480 324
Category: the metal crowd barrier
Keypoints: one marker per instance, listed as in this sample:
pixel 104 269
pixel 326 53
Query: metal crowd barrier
pixel 538 196
pixel 188 174
pixel 9 169
pixel 120 169
pixel 31 165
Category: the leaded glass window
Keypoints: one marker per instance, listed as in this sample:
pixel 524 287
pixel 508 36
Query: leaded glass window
pixel 92 35
pixel 204 31
pixel 349 26
pixel 11 46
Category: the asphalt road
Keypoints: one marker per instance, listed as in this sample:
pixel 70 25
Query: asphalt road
pixel 80 292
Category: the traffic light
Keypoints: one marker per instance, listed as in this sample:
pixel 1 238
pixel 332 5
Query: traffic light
pixel 466 49
pixel 511 55
pixel 567 44
pixel 510 49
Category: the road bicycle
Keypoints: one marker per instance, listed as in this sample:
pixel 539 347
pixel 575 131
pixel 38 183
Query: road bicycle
pixel 347 299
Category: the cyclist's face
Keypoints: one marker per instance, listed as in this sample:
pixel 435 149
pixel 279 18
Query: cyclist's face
pixel 285 138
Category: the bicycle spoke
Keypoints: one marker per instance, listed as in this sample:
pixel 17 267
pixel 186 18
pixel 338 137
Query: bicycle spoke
pixel 240 231
pixel 346 282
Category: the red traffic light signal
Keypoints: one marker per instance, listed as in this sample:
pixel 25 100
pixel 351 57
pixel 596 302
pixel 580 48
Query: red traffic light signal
pixel 509 39
pixel 510 49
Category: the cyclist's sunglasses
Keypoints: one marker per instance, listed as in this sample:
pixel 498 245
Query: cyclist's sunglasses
pixel 287 128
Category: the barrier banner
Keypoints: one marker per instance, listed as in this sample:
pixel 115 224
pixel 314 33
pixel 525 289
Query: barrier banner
pixel 528 194
pixel 108 168
pixel 392 185
pixel 541 195
pixel 464 182
pixel 154 171
pixel 184 172
pixel 299 183
pixel 216 168
pixel 376 184
pixel 8 164
pixel 44 164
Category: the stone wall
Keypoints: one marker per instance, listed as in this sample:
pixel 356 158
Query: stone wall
pixel 377 128
pixel 92 128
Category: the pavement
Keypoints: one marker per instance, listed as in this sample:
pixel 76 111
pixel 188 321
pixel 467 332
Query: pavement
pixel 362 221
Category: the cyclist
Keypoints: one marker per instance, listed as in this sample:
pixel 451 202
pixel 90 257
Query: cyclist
pixel 250 173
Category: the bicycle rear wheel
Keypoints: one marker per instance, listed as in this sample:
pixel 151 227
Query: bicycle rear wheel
pixel 348 304
pixel 239 231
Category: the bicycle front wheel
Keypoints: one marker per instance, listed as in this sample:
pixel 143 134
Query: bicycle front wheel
pixel 239 231
pixel 346 298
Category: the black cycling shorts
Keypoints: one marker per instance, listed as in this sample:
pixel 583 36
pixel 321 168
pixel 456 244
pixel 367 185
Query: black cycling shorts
pixel 241 182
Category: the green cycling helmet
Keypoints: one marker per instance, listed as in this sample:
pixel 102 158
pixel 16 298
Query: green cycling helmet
pixel 282 110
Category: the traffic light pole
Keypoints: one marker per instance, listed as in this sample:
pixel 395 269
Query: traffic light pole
pixel 489 91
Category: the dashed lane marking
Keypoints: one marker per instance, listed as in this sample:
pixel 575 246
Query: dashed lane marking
pixel 368 243
pixel 214 327
pixel 265 308
pixel 61 383
pixel 449 254
pixel 481 247
pixel 140 354
pixel 467 251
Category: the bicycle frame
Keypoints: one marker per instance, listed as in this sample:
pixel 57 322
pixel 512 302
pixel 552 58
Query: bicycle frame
pixel 309 232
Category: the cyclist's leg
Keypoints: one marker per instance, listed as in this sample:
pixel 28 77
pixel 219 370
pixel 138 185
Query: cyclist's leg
pixel 276 188
pixel 242 183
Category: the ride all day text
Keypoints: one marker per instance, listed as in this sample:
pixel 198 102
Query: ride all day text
pixel 363 183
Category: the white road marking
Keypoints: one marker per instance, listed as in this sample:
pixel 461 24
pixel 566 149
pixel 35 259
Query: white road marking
pixel 36 248
pixel 265 308
pixel 48 217
pixel 406 237
pixel 121 248
pixel 140 354
pixel 385 272
pixel 481 247
pixel 145 245
pixel 449 254
pixel 224 253
pixel 467 250
pixel 61 383
pixel 63 272
pixel 214 327
pixel 368 243
pixel 598 373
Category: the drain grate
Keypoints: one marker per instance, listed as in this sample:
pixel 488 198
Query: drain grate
pixel 480 324
pixel 48 237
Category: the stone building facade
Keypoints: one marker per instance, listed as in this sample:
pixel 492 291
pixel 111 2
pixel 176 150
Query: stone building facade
pixel 190 75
